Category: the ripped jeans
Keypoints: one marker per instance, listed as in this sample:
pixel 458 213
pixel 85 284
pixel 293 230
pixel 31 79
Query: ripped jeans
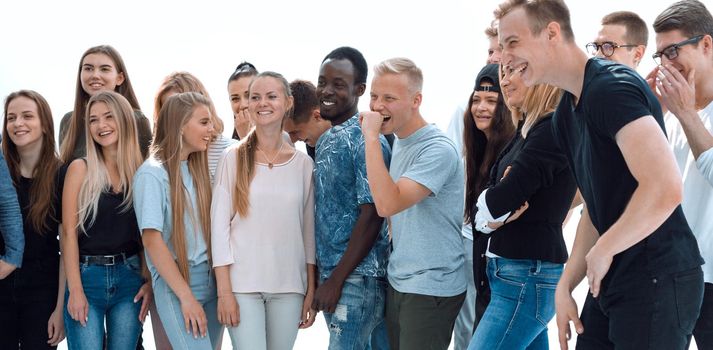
pixel 358 321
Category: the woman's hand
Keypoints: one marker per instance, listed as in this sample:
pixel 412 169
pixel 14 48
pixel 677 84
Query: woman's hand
pixel 308 313
pixel 145 294
pixel 78 307
pixel 55 327
pixel 228 310
pixel 194 317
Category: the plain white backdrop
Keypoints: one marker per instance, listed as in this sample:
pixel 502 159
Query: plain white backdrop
pixel 43 41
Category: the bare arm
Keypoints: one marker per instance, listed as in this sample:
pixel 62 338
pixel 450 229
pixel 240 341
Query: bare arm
pixel 389 197
pixel 77 306
pixel 574 272
pixel 658 193
pixel 193 313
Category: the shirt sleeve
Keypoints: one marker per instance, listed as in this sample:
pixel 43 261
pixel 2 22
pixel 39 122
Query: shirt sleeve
pixel 455 129
pixel 705 165
pixel 308 219
pixel 613 103
pixel 10 218
pixel 434 165
pixel 221 211
pixel 149 201
pixel 534 167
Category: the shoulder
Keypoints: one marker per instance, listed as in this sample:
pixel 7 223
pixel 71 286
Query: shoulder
pixel 152 167
pixel 303 160
pixel 77 166
pixel 609 79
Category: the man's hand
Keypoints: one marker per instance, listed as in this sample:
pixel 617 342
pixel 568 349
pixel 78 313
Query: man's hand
pixel 371 123
pixel 598 263
pixel 678 94
pixel 566 312
pixel 327 296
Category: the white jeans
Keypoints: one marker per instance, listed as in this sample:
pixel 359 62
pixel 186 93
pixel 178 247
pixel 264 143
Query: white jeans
pixel 267 321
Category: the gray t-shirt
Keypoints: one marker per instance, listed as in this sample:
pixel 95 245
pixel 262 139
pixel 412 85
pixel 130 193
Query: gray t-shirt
pixel 427 255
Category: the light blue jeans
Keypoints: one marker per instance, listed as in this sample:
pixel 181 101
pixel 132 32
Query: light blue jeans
pixel 169 310
pixel 463 330
pixel 110 291
pixel 521 305
pixel 268 321
pixel 358 321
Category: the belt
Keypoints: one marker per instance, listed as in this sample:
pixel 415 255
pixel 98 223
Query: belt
pixel 107 260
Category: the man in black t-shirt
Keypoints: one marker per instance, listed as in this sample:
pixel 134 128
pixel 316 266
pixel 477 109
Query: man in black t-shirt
pixel 636 249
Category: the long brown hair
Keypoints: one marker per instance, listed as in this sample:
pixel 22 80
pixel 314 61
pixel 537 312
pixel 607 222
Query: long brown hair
pixel 166 148
pixel 246 153
pixel 480 152
pixel 42 192
pixel 81 98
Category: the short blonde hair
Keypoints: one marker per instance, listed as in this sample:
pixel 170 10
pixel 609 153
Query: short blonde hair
pixel 405 66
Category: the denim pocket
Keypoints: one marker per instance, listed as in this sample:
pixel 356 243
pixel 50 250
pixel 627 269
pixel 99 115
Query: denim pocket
pixel 545 302
pixel 689 296
pixel 512 274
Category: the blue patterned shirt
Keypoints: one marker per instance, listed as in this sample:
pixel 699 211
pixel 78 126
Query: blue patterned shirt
pixel 341 187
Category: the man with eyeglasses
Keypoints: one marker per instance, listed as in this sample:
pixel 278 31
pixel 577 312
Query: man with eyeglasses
pixel 639 256
pixel 684 80
pixel 622 39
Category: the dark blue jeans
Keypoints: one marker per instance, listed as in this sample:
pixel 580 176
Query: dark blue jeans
pixel 110 291
pixel 522 302
pixel 648 313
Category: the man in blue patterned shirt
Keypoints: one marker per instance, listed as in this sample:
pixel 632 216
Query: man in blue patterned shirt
pixel 352 240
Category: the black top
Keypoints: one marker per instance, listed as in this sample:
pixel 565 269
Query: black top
pixel 612 96
pixel 40 247
pixel 114 231
pixel 540 175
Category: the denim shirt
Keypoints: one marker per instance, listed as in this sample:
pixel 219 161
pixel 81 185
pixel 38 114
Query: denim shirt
pixel 10 218
pixel 341 187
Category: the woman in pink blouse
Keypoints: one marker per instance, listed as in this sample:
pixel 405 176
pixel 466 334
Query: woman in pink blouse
pixel 263 228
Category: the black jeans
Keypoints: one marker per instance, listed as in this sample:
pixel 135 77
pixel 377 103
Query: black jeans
pixel 703 332
pixel 27 298
pixel 647 313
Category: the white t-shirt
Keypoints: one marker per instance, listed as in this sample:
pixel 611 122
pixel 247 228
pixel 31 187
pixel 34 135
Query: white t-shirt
pixel 697 185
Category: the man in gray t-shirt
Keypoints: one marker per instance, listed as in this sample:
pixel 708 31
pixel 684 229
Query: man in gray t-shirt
pixel 422 195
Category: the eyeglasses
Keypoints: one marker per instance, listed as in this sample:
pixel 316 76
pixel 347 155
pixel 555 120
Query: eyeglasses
pixel 671 51
pixel 607 48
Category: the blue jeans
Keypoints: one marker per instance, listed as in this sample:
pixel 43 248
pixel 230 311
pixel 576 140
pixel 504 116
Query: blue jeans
pixel 522 303
pixel 358 321
pixel 110 291
pixel 169 310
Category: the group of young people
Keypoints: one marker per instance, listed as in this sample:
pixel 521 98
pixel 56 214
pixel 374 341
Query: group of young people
pixel 402 235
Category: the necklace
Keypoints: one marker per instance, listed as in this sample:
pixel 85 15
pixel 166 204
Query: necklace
pixel 271 162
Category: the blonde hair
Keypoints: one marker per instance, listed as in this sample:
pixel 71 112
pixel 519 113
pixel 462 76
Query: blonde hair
pixel 185 82
pixel 405 66
pixel 128 158
pixel 245 160
pixel 539 101
pixel 166 148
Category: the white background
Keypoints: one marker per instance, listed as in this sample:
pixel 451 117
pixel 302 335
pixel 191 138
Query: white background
pixel 43 41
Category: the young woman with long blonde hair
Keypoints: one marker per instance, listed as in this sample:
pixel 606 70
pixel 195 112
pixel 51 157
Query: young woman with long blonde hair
pixel 101 242
pixel 172 200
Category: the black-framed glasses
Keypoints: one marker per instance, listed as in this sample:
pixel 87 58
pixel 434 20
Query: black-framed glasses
pixel 607 48
pixel 671 51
